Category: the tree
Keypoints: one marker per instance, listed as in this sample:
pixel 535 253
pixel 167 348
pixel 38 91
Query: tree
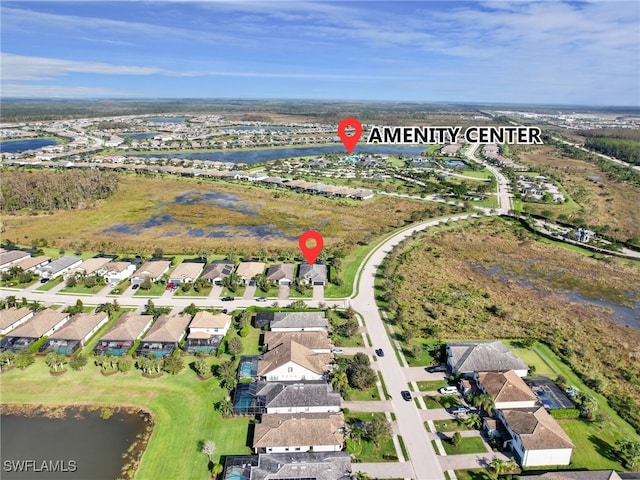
pixel 146 284
pixel 473 421
pixel 23 359
pixel 77 362
pixel 588 406
pixel 225 406
pixel 191 309
pixel 226 371
pixel 357 431
pixel 125 364
pixel 208 448
pixel 6 359
pixel 235 347
pixel 172 365
pixel 378 430
pixel 201 367
pixel 105 307
pixel 71 281
pixel 217 469
pixel 91 281
pixel 629 453
pixel 55 361
pixel 455 440
pixel 75 309
pixel 339 380
pixel 298 305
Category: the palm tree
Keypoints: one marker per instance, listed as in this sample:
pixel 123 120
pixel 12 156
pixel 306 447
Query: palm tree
pixel 339 381
pixel 217 470
pixel 472 421
pixel 225 406
pixel 105 307
pixel 209 448
pixel 498 466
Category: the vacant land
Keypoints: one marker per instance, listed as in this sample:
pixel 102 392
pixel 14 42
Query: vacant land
pixel 600 200
pixel 496 281
pixel 183 215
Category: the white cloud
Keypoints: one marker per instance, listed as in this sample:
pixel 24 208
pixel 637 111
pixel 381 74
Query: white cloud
pixel 53 91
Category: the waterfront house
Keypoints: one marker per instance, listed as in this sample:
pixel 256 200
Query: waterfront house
pixel 165 334
pixel 75 333
pixel 44 323
pixel 123 334
pixel 11 318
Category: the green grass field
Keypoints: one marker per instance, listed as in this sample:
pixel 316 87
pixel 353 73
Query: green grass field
pixel 365 450
pixel 449 426
pixel 467 445
pixel 182 406
pixel 431 386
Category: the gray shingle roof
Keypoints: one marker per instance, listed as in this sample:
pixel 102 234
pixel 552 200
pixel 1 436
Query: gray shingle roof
pixel 316 465
pixel 313 273
pixel 296 394
pixel 299 320
pixel 128 327
pixel 483 357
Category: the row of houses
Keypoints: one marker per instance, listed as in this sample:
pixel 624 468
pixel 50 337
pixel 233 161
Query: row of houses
pixel 522 420
pixel 66 334
pixel 186 272
pixel 301 421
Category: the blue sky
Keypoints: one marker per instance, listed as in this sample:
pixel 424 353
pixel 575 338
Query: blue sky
pixel 550 52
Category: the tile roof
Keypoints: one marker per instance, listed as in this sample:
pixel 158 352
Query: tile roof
pixel 189 270
pixel 168 328
pixel 9 316
pixel 218 270
pixel 281 430
pixel 290 351
pixel 79 326
pixel 536 428
pixel 90 265
pixel 30 262
pixel 250 269
pixel 152 268
pixel 37 326
pixel 116 267
pixel 311 340
pixel 128 327
pixel 506 386
pixel 206 319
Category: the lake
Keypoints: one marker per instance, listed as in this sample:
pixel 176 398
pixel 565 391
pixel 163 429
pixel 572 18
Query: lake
pixel 17 146
pixel 267 154
pixel 70 447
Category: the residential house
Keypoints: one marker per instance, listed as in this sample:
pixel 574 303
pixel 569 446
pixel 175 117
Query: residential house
pixel 291 466
pixel 469 357
pixel 316 341
pixel 535 437
pixel 583 235
pixel 11 318
pixel 75 333
pixel 315 274
pixel 44 323
pixel 8 258
pixel 186 272
pixel 89 266
pixel 299 322
pixel 290 361
pixel 32 263
pixel 307 397
pixel 317 432
pixel 216 272
pixel 59 267
pixel 123 334
pixel 247 271
pixel 115 272
pixel 281 273
pixel 206 332
pixel 507 389
pixel 153 270
pixel 165 334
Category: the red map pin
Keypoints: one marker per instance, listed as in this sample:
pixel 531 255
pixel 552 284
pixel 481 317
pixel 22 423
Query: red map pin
pixel 349 140
pixel 311 253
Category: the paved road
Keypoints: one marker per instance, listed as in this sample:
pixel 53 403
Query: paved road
pixel 410 424
pixel 504 196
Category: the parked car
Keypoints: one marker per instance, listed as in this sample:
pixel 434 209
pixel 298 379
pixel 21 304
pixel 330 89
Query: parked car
pixel 460 410
pixel 261 299
pixel 337 350
pixel 135 286
pixel 406 394
pixel 379 352
pixel 225 311
pixel 436 368
pixel 450 390
pixel 227 299
pixel 44 280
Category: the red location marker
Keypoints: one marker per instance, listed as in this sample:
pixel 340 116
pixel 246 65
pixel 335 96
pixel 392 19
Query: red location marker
pixel 311 253
pixel 349 139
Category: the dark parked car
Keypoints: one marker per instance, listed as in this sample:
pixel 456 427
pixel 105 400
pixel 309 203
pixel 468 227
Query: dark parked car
pixel 227 299
pixel 380 352
pixel 135 286
pixel 44 280
pixel 436 368
pixel 406 394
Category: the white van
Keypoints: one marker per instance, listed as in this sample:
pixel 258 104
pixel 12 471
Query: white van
pixel 448 390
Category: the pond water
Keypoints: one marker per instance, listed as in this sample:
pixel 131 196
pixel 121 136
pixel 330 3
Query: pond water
pixel 70 447
pixel 17 146
pixel 257 156
pixel 622 314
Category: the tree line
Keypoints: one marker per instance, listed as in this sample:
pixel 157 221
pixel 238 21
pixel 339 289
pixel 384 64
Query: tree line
pixel 54 190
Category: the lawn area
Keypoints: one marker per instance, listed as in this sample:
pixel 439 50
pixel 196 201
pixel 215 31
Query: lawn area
pixel 83 290
pixel 474 474
pixel 204 292
pixel 467 445
pixel 156 290
pixel 424 358
pixel 272 292
pixel 354 395
pixel 593 443
pixel 182 406
pixel 365 450
pixel 531 358
pixel 449 426
pixel 481 174
pixel 491 201
pixel 431 386
pixel 431 402
pixel 45 287
pixel 228 293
